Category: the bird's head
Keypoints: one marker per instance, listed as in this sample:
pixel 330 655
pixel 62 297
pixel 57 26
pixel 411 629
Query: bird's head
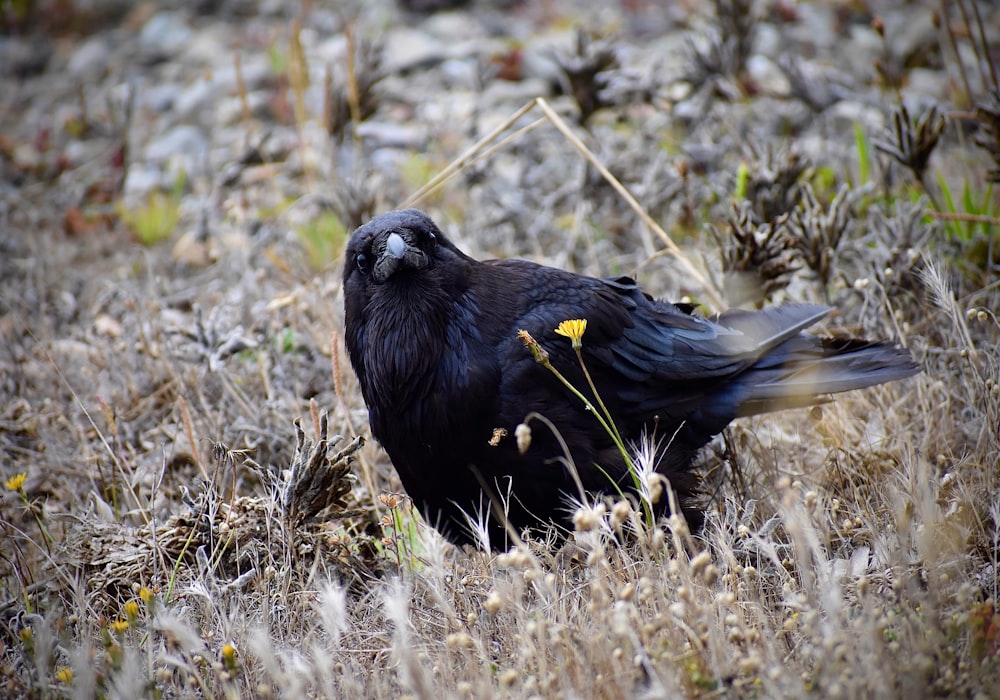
pixel 392 245
pixel 402 278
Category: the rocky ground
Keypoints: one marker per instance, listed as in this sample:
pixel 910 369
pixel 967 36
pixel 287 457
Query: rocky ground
pixel 176 184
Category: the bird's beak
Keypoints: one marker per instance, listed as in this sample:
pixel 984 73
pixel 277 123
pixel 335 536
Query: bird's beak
pixel 395 246
pixel 398 255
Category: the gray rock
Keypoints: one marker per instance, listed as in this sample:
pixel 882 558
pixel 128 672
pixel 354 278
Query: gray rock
pixel 408 48
pixel 90 60
pixel 386 134
pixel 922 83
pixel 460 72
pixel 142 178
pixel 768 76
pixel 183 140
pixel 195 100
pixel 165 34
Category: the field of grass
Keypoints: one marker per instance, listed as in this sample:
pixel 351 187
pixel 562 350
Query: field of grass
pixel 186 511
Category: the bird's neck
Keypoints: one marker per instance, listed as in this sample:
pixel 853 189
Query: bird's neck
pixel 405 344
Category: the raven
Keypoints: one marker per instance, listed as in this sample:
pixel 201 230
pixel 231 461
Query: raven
pixel 433 336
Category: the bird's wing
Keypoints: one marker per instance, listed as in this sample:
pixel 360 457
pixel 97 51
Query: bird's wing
pixel 651 357
pixel 633 336
pixel 663 342
pixel 666 344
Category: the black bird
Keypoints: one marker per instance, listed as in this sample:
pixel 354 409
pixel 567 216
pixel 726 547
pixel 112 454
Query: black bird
pixel 433 337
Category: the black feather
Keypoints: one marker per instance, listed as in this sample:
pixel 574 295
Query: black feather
pixel 432 336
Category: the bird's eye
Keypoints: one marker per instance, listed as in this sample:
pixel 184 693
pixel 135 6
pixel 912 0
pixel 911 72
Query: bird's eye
pixel 361 260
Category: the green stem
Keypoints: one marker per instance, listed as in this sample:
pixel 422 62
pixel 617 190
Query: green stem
pixel 46 535
pixel 607 414
pixel 609 427
pixel 586 402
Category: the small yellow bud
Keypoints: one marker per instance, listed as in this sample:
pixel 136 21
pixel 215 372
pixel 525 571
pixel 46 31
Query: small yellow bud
pixel 493 603
pixel 620 512
pixel 119 626
pixel 229 656
pixel 458 640
pixel 586 519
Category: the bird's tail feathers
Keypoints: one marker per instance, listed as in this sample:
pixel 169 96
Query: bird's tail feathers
pixel 813 367
pixel 771 327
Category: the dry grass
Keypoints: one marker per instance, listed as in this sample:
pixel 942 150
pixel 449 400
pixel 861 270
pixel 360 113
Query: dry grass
pixel 163 544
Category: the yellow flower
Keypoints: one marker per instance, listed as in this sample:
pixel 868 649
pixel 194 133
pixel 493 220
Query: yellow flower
pixel 64 675
pixel 119 626
pixel 574 330
pixel 16 482
pixel 229 656
pixel 146 595
pixel 131 610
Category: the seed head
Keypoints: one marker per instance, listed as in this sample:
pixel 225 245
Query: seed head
pixel 537 351
pixel 522 433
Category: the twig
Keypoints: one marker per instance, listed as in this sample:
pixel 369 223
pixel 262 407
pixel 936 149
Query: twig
pixel 623 192
pixel 962 216
pixel 477 152
pixel 440 181
pixel 460 162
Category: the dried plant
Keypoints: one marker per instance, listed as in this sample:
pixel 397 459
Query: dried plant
pixel 910 142
pixel 586 69
pixel 817 94
pixel 895 246
pixel 757 259
pixel 351 93
pixel 851 550
pixel 988 114
pixel 977 38
pixel 817 232
pixel 229 540
pixel 774 186
pixel 353 199
pixel 729 46
pixel 736 22
pixel 317 480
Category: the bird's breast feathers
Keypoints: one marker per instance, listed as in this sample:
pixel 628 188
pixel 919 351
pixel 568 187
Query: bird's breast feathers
pixel 426 363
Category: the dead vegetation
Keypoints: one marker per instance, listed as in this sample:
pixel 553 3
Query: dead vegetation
pixel 170 529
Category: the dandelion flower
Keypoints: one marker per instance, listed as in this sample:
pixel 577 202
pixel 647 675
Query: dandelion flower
pixel 16 482
pixel 574 330
pixel 119 626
